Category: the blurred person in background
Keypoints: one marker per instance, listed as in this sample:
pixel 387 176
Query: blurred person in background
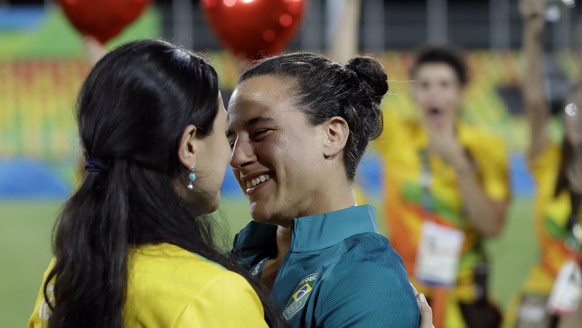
pixel 548 297
pixel 446 189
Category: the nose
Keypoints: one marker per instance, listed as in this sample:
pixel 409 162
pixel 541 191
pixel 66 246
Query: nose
pixel 242 154
pixel 434 90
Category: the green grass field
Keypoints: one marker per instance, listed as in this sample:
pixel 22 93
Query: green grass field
pixel 25 233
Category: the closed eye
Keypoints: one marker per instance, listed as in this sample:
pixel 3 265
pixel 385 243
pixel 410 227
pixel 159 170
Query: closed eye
pixel 260 133
pixel 231 141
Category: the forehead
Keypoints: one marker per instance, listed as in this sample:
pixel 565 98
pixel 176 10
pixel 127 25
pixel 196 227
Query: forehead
pixel 265 95
pixel 435 71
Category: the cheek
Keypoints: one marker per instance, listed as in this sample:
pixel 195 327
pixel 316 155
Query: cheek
pixel 420 95
pixel 451 94
pixel 275 148
pixel 222 149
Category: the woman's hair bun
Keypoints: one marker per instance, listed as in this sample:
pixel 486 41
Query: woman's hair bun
pixel 371 75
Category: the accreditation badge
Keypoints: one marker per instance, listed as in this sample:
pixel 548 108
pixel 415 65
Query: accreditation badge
pixel 567 290
pixel 438 256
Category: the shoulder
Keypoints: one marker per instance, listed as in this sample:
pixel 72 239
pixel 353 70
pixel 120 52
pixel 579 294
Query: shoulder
pixel 168 271
pixel 397 131
pixel 550 156
pixel 487 148
pixel 369 270
pixel 167 259
pixel 227 300
pixel 371 252
pixel 371 265
pixel 546 163
pixel 480 137
pixel 169 284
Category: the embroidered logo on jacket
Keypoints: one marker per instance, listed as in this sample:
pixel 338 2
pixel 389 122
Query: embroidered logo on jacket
pixel 299 296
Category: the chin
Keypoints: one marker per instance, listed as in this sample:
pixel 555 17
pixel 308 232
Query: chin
pixel 257 215
pixel 262 215
pixel 211 205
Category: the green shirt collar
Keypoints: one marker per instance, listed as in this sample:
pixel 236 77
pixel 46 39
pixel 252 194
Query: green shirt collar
pixel 324 230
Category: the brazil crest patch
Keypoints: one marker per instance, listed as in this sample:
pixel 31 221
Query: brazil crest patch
pixel 299 296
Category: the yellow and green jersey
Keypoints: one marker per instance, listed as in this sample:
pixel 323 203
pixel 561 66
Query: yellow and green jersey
pixel 171 287
pixel 403 151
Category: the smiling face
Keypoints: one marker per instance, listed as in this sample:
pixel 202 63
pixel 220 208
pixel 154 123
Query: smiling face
pixel 276 155
pixel 438 93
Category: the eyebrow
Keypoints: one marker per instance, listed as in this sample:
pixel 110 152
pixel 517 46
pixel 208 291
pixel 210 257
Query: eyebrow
pixel 251 122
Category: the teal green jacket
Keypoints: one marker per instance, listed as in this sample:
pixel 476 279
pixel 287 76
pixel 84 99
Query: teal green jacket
pixel 339 272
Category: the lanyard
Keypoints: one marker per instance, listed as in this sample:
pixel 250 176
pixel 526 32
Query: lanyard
pixel 427 199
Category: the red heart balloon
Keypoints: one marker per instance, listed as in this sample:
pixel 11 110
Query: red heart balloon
pixel 103 19
pixel 254 28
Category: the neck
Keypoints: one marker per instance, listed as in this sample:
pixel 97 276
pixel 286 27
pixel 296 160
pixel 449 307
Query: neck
pixel 336 194
pixel 283 240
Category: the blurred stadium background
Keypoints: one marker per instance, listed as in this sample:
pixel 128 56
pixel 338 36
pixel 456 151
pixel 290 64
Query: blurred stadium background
pixel 42 64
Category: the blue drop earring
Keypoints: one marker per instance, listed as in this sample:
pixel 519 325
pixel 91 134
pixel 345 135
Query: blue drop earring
pixel 191 179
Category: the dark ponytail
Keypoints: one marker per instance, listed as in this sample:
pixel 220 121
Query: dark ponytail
pixel 91 246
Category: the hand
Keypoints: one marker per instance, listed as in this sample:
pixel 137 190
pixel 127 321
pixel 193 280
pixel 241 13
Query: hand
pixel 443 142
pixel 425 310
pixel 533 11
pixel 95 50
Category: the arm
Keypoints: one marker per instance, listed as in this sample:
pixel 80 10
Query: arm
pixel 344 41
pixel 487 214
pixel 95 50
pixel 535 104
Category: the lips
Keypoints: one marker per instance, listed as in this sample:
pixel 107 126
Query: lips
pixel 434 111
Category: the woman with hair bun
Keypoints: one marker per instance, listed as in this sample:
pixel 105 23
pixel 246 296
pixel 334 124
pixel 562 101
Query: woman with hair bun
pixel 298 125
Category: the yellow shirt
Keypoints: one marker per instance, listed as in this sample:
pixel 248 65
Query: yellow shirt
pixel 551 216
pixel 171 287
pixel 400 148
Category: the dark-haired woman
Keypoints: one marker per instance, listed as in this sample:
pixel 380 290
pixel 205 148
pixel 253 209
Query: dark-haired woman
pixel 133 247
pixel 298 125
pixel 557 170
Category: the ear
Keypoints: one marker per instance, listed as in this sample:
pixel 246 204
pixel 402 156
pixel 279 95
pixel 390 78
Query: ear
pixel 336 136
pixel 187 147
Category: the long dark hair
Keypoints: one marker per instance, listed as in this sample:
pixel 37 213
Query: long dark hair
pixel 567 153
pixel 567 157
pixel 326 89
pixel 131 112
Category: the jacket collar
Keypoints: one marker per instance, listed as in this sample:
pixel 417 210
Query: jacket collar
pixel 310 233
